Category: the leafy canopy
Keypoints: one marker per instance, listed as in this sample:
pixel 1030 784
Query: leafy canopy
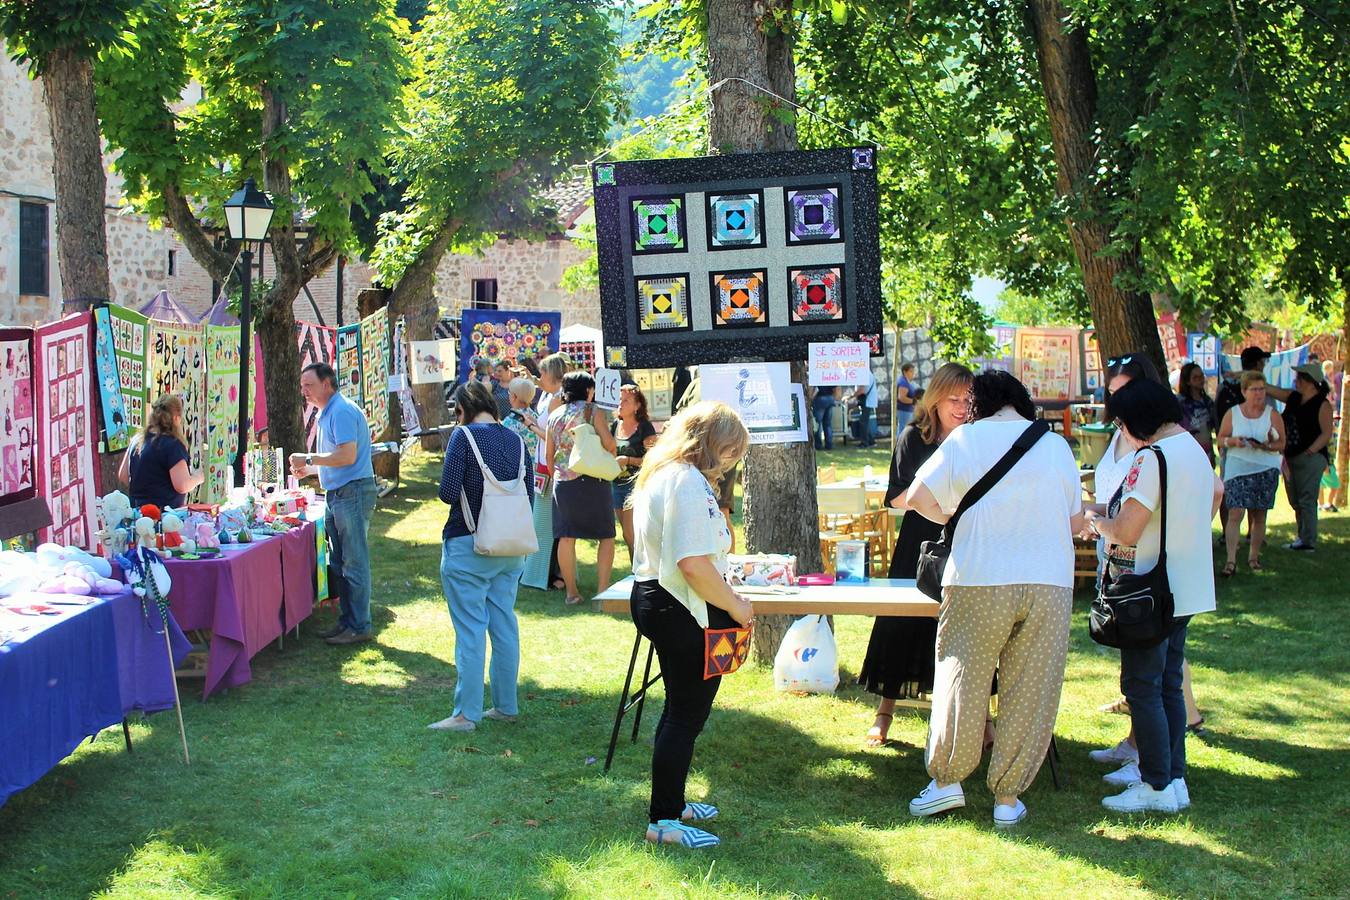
pixel 503 98
pixel 34 29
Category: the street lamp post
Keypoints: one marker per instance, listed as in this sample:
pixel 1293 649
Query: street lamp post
pixel 248 214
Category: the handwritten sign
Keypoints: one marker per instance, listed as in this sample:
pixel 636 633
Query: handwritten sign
pixel 607 384
pixel 845 362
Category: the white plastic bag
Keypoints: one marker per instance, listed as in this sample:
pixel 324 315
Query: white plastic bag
pixel 807 661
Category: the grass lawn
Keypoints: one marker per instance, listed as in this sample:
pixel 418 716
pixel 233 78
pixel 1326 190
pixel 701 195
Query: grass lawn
pixel 320 778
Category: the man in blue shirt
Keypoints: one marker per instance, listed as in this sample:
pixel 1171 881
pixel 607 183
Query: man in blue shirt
pixel 866 398
pixel 904 398
pixel 343 467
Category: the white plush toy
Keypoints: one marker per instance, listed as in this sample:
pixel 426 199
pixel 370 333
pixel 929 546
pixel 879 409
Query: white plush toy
pixel 114 514
pixel 145 533
pixel 54 557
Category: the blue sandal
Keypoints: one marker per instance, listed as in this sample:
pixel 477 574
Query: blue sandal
pixel 699 812
pixel 689 836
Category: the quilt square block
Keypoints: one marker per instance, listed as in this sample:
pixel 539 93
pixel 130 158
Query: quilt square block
pixel 812 215
pixel 663 303
pixel 816 294
pixel 659 225
pixel 735 221
pixel 739 299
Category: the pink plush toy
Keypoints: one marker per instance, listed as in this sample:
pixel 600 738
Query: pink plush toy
pixel 206 536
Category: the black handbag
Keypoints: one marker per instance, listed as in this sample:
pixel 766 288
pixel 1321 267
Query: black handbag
pixel 1134 612
pixel 933 554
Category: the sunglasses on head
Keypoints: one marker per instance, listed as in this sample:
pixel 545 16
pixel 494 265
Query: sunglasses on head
pixel 1119 361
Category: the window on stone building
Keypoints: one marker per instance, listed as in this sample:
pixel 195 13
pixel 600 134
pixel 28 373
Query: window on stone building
pixel 484 293
pixel 173 262
pixel 33 249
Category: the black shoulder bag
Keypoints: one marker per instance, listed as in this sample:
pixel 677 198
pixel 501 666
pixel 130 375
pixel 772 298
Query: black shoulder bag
pixel 1134 612
pixel 933 554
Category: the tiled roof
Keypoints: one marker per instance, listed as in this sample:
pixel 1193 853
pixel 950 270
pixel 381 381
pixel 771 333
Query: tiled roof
pixel 570 197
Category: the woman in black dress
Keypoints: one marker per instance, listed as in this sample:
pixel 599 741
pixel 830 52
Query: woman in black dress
pixel 900 655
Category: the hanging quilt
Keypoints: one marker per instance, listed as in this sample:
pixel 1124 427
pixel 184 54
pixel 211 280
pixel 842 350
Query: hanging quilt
pixel 1090 368
pixel 62 373
pixel 1173 338
pixel 176 364
pixel 407 409
pixel 316 346
pixel 375 370
pixel 222 410
pixel 349 363
pixel 129 346
pixel 1203 350
pixel 115 428
pixel 17 437
pixel 917 346
pixel 433 361
pixel 1047 363
pixel 498 335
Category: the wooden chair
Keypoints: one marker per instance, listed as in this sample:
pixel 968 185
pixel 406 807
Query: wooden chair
pixel 1084 563
pixel 840 511
pixel 875 528
pixel 827 474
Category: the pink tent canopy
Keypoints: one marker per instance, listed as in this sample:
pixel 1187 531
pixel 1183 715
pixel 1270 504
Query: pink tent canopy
pixel 167 309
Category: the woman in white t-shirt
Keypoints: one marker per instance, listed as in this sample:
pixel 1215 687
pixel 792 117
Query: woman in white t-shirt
pixel 1150 415
pixel 1007 594
pixel 541 567
pixel 680 542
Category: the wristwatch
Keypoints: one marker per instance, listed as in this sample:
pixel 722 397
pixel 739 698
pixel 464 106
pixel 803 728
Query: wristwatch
pixel 309 459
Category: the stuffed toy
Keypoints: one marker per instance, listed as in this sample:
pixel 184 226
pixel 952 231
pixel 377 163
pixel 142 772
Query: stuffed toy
pixel 206 536
pixel 172 528
pixel 145 532
pixel 54 557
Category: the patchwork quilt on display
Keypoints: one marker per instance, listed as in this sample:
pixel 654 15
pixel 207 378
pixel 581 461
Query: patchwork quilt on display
pixel 18 438
pixel 63 361
pixel 509 335
pixel 697 256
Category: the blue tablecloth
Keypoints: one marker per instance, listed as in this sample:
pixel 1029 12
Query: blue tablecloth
pixel 65 677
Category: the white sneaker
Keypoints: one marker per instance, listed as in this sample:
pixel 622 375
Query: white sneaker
pixel 1181 792
pixel 1125 776
pixel 1141 797
pixel 1008 816
pixel 933 799
pixel 1123 752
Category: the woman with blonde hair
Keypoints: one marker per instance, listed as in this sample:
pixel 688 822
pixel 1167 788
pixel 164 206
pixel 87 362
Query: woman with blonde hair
pixel 899 662
pixel 680 546
pixel 157 466
pixel 1253 435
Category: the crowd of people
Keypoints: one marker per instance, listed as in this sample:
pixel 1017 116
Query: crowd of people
pixel 1003 626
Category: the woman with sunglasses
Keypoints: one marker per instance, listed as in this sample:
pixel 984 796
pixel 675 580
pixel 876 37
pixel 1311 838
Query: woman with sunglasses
pixel 899 662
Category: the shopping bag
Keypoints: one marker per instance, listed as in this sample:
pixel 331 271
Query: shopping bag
pixel 807 660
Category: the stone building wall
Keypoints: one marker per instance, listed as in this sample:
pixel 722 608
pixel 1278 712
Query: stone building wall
pixel 527 275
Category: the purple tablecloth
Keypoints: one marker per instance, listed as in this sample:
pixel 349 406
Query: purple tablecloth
pixel 68 676
pixel 246 597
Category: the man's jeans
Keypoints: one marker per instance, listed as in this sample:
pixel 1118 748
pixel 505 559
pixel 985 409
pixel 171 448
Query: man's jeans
pixel 1151 680
pixel 347 522
pixel 822 411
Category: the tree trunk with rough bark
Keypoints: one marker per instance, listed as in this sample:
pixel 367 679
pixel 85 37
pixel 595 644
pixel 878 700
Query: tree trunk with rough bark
pixel 414 299
pixel 1122 314
pixel 77 169
pixel 779 479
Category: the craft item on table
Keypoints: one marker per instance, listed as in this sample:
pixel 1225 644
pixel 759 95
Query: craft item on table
pixel 245 536
pixel 224 537
pixel 850 562
pixel 762 569
pixel 350 381
pixel 318 344
pixel 232 519
pixel 222 410
pixel 692 252
pixel 206 537
pixel 171 527
pixel 66 479
pixel 114 520
pixel 177 365
pixel 146 539
pixel 503 335
pixel 375 370
pixel 54 569
pixel 129 350
pixel 115 429
pixel 18 437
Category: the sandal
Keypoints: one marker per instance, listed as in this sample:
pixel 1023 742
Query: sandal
pixel 1119 706
pixel 1228 570
pixel 1197 727
pixel 669 831
pixel 699 812
pixel 879 738
pixel 557 584
pixel 573 600
pixel 1255 565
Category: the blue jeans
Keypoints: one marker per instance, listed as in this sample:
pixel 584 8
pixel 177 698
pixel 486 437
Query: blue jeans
pixel 822 411
pixel 866 432
pixel 347 524
pixel 481 594
pixel 902 419
pixel 1151 680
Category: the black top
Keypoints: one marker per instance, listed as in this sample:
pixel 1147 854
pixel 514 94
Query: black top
pixel 1303 424
pixel 502 451
pixel 631 446
pixel 911 452
pixel 1229 395
pixel 151 462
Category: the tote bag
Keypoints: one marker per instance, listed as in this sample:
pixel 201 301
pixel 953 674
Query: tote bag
pixel 589 456
pixel 505 524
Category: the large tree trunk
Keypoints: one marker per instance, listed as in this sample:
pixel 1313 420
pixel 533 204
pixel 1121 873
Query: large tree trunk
pixel 77 167
pixel 414 299
pixel 1123 314
pixel 780 479
pixel 275 326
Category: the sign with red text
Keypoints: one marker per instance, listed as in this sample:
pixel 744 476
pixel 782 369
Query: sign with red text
pixel 845 362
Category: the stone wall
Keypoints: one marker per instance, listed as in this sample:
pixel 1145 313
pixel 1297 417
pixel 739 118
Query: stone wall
pixel 527 275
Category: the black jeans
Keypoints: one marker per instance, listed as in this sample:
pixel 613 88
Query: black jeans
pixel 1151 680
pixel 678 640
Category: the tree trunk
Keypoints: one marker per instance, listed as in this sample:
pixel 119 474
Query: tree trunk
pixel 1342 461
pixel 275 326
pixel 1122 314
pixel 414 299
pixel 77 168
pixel 745 41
